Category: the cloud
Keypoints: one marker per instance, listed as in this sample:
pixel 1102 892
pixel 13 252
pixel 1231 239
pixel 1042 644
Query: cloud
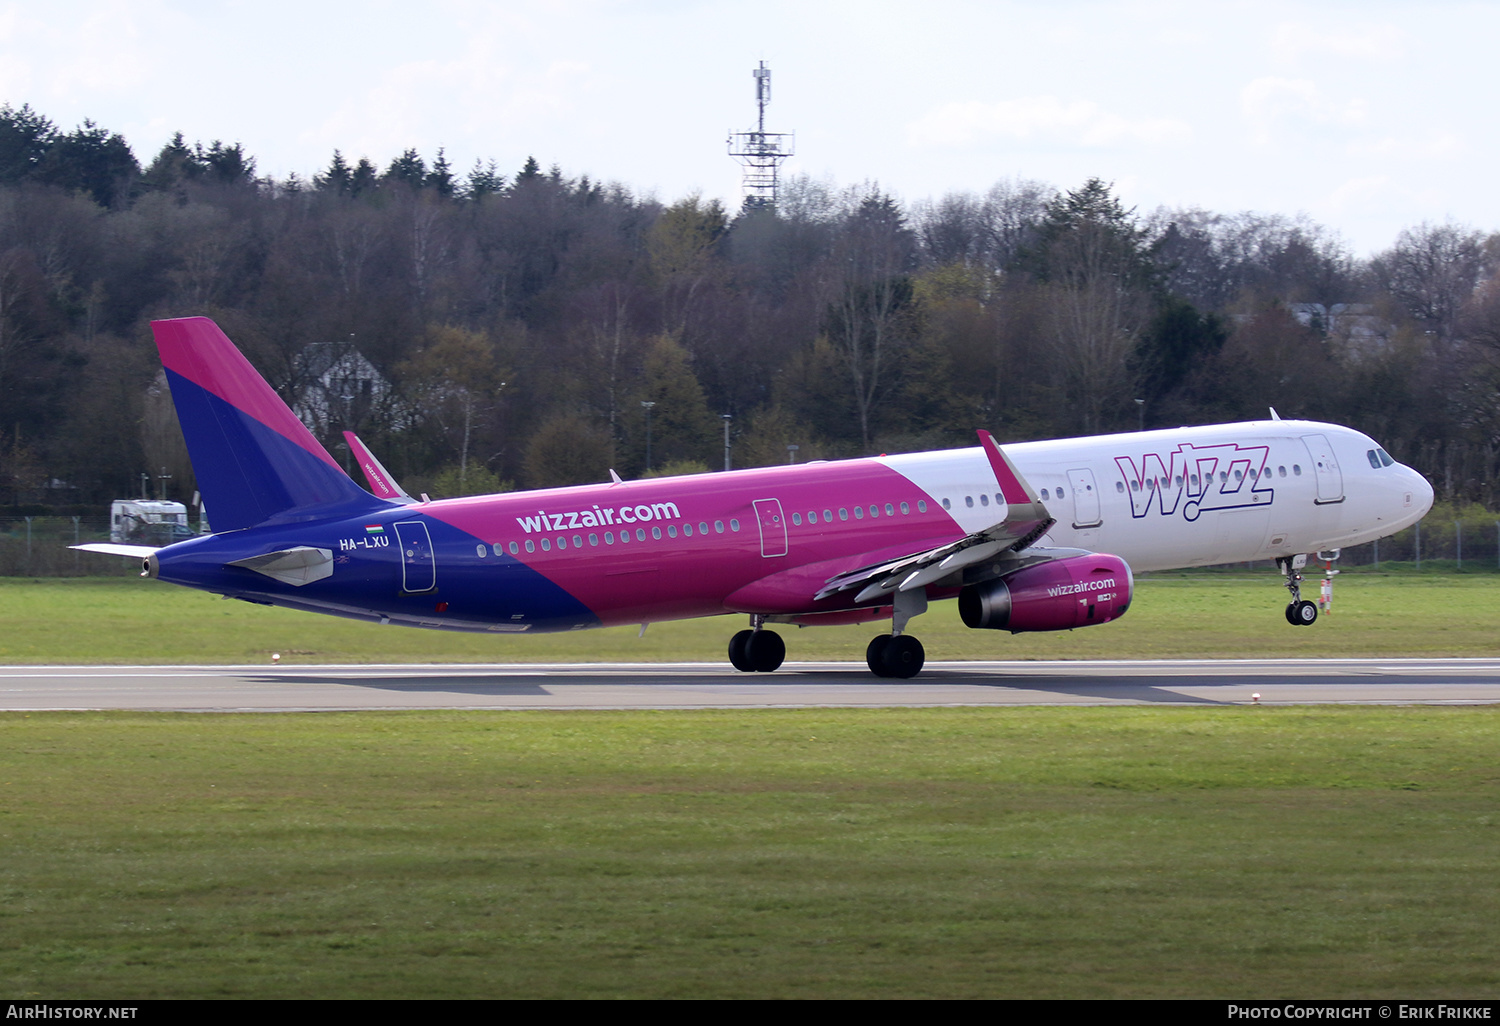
pixel 1275 103
pixel 1044 119
pixel 1380 43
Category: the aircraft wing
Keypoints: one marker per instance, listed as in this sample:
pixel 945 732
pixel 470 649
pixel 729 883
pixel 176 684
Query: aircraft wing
pixel 1026 520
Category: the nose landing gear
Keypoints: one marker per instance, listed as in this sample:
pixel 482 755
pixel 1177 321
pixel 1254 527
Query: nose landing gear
pixel 1299 612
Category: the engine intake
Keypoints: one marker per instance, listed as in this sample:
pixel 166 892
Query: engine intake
pixel 1059 595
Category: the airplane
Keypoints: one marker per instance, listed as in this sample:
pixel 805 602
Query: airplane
pixel 1032 536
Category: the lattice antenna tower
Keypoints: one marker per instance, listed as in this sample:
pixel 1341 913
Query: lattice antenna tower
pixel 760 152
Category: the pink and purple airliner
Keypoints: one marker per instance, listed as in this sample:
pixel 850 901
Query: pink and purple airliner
pixel 1036 536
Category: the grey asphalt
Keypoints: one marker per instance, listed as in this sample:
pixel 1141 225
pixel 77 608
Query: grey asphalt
pixel 704 685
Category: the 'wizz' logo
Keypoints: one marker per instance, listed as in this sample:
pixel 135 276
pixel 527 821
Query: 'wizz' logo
pixel 1197 478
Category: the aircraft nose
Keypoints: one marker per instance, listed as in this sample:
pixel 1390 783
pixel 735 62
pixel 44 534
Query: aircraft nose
pixel 1420 491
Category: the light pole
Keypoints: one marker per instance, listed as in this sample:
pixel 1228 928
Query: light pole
pixel 1140 405
pixel 727 418
pixel 647 406
pixel 791 454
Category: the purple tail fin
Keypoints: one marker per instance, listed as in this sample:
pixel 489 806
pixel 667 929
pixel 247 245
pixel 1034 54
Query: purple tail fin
pixel 255 461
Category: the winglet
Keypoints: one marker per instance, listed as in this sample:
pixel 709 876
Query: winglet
pixel 382 484
pixel 1012 485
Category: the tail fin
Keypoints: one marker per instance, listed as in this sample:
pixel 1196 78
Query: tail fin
pixel 255 461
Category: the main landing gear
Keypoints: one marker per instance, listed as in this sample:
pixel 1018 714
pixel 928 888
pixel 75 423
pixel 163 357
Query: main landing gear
pixel 756 650
pixel 898 654
pixel 1299 612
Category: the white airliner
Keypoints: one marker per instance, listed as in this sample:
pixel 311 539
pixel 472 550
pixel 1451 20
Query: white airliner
pixel 1033 536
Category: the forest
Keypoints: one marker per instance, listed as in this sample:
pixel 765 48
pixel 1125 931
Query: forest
pixel 485 329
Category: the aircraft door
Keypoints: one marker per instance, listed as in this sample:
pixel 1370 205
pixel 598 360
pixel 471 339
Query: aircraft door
pixel 1326 468
pixel 418 567
pixel 772 527
pixel 1085 498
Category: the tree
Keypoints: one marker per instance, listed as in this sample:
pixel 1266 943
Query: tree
pixel 93 160
pixel 25 137
pixel 870 314
pixel 455 379
pixel 1433 271
pixel 1093 260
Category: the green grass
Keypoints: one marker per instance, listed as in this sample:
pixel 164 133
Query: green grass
pixel 1095 853
pixel 1190 615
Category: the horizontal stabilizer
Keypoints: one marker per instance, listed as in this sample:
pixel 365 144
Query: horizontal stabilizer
pixel 295 566
pixel 111 549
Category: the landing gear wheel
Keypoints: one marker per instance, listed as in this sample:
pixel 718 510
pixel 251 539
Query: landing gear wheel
pixel 875 654
pixel 765 650
pixel 1304 613
pixel 739 651
pixel 903 657
pixel 1291 613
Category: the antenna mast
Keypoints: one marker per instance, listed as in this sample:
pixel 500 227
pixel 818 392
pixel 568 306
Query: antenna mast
pixel 759 151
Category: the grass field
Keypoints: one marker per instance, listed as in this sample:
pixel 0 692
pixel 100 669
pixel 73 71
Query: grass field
pixel 1241 852
pixel 1108 852
pixel 114 621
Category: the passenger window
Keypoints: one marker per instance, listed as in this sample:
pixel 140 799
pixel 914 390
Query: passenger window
pixel 946 503
pixel 969 501
pixel 828 516
pixel 546 545
pixel 656 533
pixel 1296 470
pixel 718 527
pixel 530 545
pixel 702 527
pixel 890 510
pixel 1281 471
pixel 796 519
pixel 905 510
pixel 687 530
pixel 874 512
pixel 671 530
pixel 921 505
pixel 734 525
pixel 984 500
pixel 859 512
pixel 624 537
pixel 640 533
pixel 843 513
pixel 1059 492
pixel 1119 486
pixel 594 541
pixel 578 541
pixel 562 543
pixel 514 549
pixel 609 537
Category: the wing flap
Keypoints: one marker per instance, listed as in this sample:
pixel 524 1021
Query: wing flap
pixel 1026 520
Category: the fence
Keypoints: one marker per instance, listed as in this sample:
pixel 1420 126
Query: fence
pixel 38 547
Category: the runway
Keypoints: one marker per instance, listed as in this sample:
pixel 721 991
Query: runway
pixel 711 686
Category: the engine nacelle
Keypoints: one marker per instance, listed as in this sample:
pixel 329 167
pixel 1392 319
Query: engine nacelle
pixel 1054 596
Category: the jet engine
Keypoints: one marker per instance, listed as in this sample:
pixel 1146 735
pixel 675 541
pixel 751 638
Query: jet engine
pixel 1058 595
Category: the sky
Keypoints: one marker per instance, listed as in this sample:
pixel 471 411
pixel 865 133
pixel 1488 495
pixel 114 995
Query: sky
pixel 1367 117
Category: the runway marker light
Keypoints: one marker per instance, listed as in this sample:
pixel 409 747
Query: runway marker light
pixel 1255 697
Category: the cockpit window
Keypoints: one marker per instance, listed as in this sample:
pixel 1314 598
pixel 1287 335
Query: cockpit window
pixel 1385 457
pixel 1378 458
pixel 1374 460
